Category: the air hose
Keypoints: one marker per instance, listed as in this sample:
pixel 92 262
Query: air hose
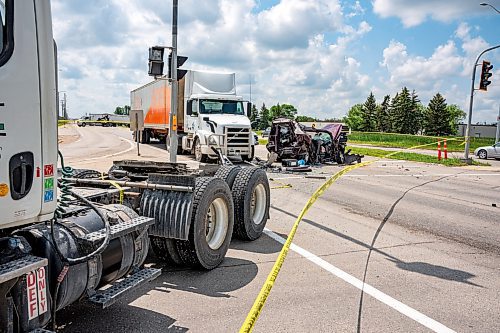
pixel 63 203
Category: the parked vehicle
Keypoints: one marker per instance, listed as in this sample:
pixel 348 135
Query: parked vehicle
pixel 485 152
pixel 103 119
pixel 210 114
pixel 265 133
pixel 91 241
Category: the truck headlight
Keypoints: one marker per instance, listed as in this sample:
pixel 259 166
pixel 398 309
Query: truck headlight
pixel 212 140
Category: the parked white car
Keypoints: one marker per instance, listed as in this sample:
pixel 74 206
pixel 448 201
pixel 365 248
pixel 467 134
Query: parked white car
pixel 488 151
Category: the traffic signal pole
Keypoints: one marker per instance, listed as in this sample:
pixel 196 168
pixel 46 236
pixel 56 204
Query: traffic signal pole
pixel 172 132
pixel 469 120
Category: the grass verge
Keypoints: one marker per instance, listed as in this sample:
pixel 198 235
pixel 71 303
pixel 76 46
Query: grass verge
pixel 408 156
pixel 63 122
pixel 407 141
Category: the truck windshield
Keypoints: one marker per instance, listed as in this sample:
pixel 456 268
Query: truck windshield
pixel 215 106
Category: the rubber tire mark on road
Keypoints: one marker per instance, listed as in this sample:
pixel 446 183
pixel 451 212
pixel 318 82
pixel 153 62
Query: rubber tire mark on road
pixel 372 291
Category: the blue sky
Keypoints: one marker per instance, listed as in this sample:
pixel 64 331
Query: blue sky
pixel 322 56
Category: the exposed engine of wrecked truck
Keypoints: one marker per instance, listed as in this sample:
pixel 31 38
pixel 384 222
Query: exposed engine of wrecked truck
pixel 292 140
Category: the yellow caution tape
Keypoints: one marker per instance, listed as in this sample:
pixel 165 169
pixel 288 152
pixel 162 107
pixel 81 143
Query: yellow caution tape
pixel 280 187
pixel 260 301
pixel 119 189
pixel 283 185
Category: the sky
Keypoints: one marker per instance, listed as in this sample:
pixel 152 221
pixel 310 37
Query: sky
pixel 322 56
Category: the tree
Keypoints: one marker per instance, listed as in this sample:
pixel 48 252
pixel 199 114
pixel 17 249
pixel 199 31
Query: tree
pixel 456 116
pixel 254 113
pixel 383 121
pixel 283 111
pixel 125 110
pixel 354 117
pixel 405 112
pixel 368 114
pixel 437 117
pixel 264 117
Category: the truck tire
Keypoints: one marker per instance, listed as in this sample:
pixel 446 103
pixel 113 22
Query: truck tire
pixel 228 174
pixel 145 136
pixel 251 198
pixel 249 158
pixel 211 226
pixel 198 155
pixel 83 124
pixel 165 250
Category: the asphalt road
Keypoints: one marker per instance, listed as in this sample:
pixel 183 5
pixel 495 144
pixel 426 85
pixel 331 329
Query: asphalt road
pixel 435 263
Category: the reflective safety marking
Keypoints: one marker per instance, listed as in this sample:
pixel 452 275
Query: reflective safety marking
pixel 37 293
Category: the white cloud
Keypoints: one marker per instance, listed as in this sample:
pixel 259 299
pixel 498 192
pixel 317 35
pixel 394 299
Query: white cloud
pixel 415 12
pixel 298 52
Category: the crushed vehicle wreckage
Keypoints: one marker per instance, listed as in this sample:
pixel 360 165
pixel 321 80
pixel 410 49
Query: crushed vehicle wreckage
pixel 290 140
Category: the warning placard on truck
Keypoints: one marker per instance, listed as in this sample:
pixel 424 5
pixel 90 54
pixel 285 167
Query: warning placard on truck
pixel 37 293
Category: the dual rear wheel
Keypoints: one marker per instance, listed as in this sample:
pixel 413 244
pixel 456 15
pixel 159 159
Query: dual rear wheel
pixel 234 202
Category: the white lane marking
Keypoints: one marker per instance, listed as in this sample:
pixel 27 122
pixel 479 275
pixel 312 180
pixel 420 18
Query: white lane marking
pixel 375 293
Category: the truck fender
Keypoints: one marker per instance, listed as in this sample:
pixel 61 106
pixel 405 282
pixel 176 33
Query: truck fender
pixel 202 136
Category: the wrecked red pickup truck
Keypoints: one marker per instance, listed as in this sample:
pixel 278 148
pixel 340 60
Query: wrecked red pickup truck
pixel 292 140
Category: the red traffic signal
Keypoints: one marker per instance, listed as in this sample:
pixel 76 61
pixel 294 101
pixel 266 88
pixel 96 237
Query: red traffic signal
pixel 485 75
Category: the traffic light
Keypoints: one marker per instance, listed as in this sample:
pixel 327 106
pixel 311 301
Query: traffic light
pixel 180 61
pixel 156 61
pixel 485 75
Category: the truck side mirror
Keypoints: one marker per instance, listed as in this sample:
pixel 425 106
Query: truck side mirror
pixel 249 109
pixel 189 109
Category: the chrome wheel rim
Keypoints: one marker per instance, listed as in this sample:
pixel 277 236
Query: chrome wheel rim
pixel 258 204
pixel 216 223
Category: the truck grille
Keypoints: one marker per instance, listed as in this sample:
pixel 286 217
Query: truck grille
pixel 238 140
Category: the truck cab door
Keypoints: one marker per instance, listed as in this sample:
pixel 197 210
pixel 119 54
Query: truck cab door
pixel 23 132
pixel 192 118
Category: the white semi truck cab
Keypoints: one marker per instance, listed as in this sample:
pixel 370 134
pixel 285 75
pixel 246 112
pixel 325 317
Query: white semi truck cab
pixel 210 114
pixel 215 116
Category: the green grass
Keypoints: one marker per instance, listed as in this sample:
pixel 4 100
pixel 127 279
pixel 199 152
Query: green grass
pixel 263 141
pixel 406 156
pixel 408 141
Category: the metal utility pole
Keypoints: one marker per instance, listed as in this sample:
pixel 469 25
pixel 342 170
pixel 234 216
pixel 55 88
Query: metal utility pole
pixel 173 102
pixel 467 131
pixel 497 137
pixel 64 107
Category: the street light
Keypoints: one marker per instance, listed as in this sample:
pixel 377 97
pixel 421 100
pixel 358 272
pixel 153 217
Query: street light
pixel 487 4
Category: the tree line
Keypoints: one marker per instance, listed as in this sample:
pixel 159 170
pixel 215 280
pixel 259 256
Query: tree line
pixel 262 118
pixel 404 113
